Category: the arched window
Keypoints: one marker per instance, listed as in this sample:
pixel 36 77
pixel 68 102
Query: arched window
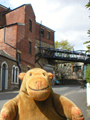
pixel 15 73
pixel 4 76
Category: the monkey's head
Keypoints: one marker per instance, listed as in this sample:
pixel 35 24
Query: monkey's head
pixel 37 83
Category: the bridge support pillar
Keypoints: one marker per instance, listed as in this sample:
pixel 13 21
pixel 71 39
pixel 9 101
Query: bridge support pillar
pixel 84 71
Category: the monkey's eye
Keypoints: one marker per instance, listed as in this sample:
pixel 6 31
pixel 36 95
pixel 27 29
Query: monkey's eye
pixel 43 74
pixel 30 74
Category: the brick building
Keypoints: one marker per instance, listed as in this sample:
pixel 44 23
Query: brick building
pixel 20 37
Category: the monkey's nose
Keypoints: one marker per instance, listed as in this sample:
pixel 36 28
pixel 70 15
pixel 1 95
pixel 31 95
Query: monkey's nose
pixel 38 83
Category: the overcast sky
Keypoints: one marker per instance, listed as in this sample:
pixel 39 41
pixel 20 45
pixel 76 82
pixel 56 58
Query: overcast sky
pixel 69 18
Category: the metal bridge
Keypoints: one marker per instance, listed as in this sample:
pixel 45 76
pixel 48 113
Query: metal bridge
pixel 64 55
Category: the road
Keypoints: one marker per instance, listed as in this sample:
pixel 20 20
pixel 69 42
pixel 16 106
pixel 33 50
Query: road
pixel 74 93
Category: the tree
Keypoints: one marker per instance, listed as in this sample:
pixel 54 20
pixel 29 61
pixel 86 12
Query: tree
pixel 88 42
pixel 88 5
pixel 64 44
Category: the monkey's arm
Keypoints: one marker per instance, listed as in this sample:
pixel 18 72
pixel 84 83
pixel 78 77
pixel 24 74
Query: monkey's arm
pixel 9 110
pixel 67 108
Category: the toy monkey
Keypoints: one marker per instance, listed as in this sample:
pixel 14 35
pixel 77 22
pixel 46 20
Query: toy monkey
pixel 37 101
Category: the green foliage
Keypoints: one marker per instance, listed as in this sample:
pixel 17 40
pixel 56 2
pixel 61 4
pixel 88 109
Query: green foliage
pixel 88 46
pixel 88 33
pixel 88 42
pixel 88 5
pixel 88 73
pixel 64 44
pixel 89 107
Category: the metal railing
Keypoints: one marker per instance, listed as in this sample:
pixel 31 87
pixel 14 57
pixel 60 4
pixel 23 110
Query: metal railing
pixel 67 55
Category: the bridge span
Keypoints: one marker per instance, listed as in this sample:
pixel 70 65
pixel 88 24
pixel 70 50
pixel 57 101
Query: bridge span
pixel 64 55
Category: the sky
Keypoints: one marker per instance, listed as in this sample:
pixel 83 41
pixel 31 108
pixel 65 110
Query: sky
pixel 68 18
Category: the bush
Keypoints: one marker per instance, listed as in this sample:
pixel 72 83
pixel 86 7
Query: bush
pixel 88 74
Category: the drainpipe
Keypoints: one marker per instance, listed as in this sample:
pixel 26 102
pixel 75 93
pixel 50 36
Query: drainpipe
pixel 1 16
pixel 18 64
pixel 40 35
pixel 6 42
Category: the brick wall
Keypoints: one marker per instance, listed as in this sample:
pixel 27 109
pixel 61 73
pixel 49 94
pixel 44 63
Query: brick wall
pixel 44 39
pixel 25 36
pixel 9 35
pixel 2 18
pixel 18 34
pixel 17 15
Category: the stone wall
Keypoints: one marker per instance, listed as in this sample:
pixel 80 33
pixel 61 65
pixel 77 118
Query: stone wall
pixel 66 71
pixel 10 64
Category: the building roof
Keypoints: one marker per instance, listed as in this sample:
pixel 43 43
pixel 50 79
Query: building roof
pixel 5 54
pixel 45 26
pixel 3 6
pixel 33 11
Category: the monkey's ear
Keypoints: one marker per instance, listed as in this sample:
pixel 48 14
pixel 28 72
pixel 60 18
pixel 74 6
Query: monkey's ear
pixel 50 75
pixel 21 76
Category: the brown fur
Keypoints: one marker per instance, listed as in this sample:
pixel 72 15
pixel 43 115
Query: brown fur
pixel 37 101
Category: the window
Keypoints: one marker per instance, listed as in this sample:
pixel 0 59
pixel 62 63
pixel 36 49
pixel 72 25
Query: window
pixel 28 68
pixel 30 47
pixel 4 76
pixel 48 35
pixel 76 68
pixel 42 32
pixel 30 25
pixel 15 73
pixel 18 56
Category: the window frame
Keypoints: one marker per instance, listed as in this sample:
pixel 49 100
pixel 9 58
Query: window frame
pixel 42 32
pixel 48 34
pixel 15 73
pixel 19 56
pixel 30 25
pixel 76 68
pixel 30 47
